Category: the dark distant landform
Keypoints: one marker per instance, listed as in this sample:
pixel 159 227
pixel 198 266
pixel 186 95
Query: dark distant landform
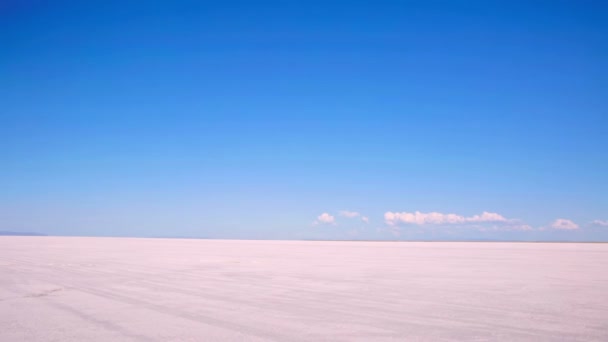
pixel 8 233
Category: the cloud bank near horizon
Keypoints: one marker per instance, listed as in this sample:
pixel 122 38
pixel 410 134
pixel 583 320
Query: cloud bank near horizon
pixel 327 218
pixel 486 221
pixel 436 218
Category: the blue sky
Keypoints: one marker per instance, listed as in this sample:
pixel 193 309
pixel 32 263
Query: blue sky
pixel 253 119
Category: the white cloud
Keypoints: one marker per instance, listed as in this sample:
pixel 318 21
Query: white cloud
pixel 418 218
pixel 325 218
pixel 564 224
pixel 603 223
pixel 349 214
pixel 353 214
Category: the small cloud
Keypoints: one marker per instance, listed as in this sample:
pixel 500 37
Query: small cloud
pixel 353 214
pixel 349 214
pixel 325 218
pixel 511 225
pixel 564 224
pixel 602 223
pixel 522 227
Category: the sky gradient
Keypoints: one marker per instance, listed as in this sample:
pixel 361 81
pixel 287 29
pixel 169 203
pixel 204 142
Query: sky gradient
pixel 305 119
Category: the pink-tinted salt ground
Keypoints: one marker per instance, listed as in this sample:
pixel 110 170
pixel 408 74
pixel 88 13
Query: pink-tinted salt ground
pixel 111 289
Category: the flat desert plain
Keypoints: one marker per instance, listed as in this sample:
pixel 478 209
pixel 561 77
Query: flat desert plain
pixel 126 289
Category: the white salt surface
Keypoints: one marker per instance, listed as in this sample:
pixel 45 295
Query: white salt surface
pixel 113 289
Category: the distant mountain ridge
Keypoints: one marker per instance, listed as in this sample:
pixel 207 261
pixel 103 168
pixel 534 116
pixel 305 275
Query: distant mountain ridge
pixel 8 233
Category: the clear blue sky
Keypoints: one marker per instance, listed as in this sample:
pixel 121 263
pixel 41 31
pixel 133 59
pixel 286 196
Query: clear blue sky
pixel 252 119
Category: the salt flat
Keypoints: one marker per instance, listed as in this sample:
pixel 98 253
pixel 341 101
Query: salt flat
pixel 123 289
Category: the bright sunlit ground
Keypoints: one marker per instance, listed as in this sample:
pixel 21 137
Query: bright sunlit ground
pixel 126 289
